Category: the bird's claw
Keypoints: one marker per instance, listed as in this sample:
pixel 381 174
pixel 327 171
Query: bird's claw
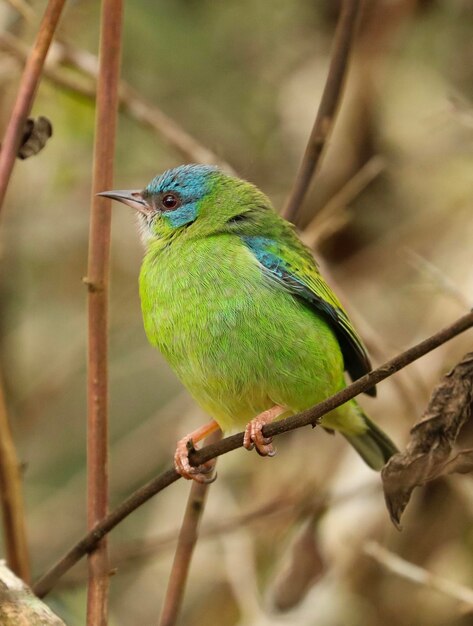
pixel 254 438
pixel 200 473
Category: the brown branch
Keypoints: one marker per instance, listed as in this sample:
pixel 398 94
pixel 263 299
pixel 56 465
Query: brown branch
pixel 285 504
pixel 97 281
pixel 310 416
pixel 186 543
pixel 325 118
pixel 89 541
pixel 11 499
pixel 26 93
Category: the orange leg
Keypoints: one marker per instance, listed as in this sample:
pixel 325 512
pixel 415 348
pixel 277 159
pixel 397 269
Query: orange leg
pixel 181 456
pixel 254 432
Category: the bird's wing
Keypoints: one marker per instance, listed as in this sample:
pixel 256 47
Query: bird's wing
pixel 292 265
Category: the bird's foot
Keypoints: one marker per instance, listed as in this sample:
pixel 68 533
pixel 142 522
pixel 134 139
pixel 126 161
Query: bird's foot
pixel 254 437
pixel 201 473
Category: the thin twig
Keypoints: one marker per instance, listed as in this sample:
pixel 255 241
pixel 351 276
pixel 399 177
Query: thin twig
pixel 324 121
pixel 26 93
pixel 176 137
pixel 419 575
pixel 97 281
pixel 317 229
pixel 131 102
pixel 144 112
pixel 186 543
pixel 24 9
pixel 310 416
pixel 444 282
pixel 11 499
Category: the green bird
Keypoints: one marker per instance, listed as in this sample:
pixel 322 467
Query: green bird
pixel 236 304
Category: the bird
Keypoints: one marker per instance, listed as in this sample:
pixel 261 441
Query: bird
pixel 237 305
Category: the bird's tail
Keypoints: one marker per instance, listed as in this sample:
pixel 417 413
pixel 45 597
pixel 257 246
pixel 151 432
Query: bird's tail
pixel 374 446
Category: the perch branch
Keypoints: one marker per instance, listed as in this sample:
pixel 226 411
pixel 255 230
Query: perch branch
pixel 97 281
pixel 419 575
pixel 26 93
pixel 325 118
pixel 311 416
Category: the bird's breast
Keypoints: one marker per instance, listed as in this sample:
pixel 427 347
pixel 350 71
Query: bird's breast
pixel 196 293
pixel 239 342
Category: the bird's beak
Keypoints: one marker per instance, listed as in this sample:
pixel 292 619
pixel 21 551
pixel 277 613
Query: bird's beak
pixel 131 197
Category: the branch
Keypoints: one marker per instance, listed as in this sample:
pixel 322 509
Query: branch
pixel 324 121
pixel 26 93
pixel 418 575
pixel 131 102
pixel 327 219
pixel 97 281
pixel 13 512
pixel 186 543
pixel 438 278
pixel 24 9
pixel 283 505
pixel 311 416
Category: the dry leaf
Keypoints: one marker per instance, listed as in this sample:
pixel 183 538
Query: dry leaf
pixel 35 135
pixel 428 454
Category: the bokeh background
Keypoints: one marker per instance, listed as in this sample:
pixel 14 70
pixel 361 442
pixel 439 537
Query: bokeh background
pixel 394 233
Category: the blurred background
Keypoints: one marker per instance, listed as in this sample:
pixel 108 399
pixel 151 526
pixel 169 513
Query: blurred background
pixel 283 540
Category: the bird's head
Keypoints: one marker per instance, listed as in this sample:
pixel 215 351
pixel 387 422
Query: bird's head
pixel 198 196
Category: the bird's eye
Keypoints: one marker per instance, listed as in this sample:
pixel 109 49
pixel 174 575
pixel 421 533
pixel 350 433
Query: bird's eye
pixel 170 201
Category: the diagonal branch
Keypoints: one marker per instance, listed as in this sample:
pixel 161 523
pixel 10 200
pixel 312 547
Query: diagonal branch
pixel 286 505
pixel 324 121
pixel 132 103
pixel 311 416
pixel 419 575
